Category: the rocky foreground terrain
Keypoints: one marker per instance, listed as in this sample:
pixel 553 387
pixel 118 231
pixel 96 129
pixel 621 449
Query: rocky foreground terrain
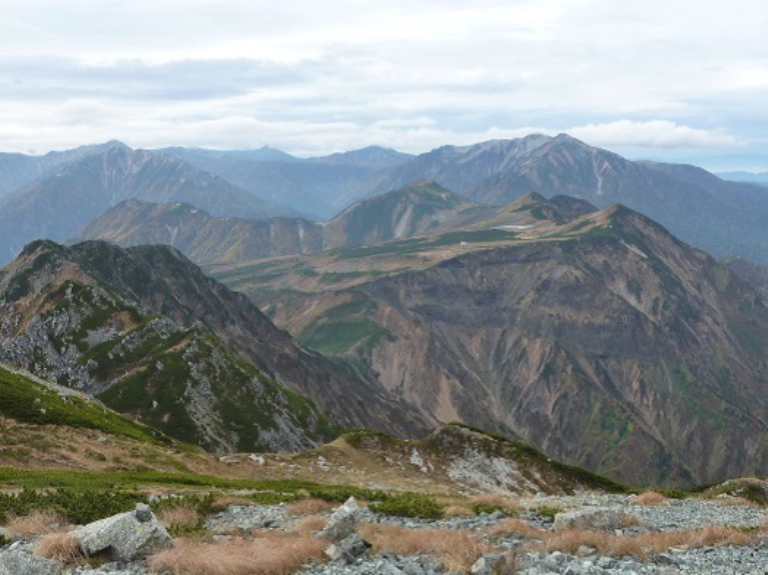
pixel 588 533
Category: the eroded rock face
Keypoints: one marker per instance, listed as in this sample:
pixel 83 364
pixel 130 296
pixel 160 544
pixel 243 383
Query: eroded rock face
pixel 125 537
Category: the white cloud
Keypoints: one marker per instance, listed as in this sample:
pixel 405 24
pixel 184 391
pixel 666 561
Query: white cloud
pixel 413 74
pixel 652 134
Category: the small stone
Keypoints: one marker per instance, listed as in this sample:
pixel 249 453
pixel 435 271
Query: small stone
pixel 143 512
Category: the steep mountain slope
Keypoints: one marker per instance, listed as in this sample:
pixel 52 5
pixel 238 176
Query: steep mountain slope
pixel 605 341
pixel 203 238
pixel 58 205
pixel 62 323
pixel 412 210
pixel 152 335
pixel 754 275
pixel 721 217
pixel 316 186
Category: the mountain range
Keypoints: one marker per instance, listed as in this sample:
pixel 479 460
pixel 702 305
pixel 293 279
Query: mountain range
pixel 599 338
pixel 145 331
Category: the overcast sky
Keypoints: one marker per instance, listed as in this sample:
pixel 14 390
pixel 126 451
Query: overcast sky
pixel 672 79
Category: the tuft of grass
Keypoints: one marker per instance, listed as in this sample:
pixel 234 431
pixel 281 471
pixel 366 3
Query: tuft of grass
pixel 650 498
pixel 455 548
pixel 36 523
pixel 62 547
pixel 640 546
pixel 310 525
pixel 263 556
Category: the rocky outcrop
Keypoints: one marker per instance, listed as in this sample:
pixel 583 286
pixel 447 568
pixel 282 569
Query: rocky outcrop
pixel 126 537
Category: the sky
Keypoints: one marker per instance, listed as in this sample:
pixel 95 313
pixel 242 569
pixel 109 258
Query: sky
pixel 673 80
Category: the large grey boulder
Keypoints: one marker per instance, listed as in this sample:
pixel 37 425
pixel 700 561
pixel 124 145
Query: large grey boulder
pixel 343 522
pixel 125 537
pixel 595 518
pixel 17 562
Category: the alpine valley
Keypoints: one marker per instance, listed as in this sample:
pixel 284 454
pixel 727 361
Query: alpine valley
pixel 525 287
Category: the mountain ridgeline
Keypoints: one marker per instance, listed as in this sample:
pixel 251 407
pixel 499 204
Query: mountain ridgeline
pixel 601 340
pixel 145 331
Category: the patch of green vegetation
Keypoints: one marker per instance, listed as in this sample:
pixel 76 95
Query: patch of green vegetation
pixel 545 511
pixel 396 248
pixel 472 237
pixel 79 506
pixel 27 401
pixel 409 505
pixel 342 327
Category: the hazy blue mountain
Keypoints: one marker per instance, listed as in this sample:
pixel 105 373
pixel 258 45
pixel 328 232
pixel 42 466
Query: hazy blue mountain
pixel 318 187
pixel 760 178
pixel 722 217
pixel 57 205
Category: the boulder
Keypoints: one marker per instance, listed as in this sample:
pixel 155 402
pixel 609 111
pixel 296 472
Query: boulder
pixel 595 518
pixel 343 522
pixel 17 562
pixel 125 537
pixel 349 550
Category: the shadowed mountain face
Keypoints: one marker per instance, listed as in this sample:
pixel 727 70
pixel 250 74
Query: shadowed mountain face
pixel 152 335
pixel 59 204
pixel 721 217
pixel 603 341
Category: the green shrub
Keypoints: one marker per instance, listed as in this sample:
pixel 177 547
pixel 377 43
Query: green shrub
pixel 78 506
pixel 409 505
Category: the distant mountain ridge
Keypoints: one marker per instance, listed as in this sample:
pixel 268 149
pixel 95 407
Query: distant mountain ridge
pixel 415 209
pixel 59 204
pixel 720 217
pixel 201 237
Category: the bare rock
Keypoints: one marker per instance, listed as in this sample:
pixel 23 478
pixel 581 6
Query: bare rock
pixel 125 537
pixel 343 522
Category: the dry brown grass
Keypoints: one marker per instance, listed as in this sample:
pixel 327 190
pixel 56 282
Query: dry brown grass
pixel 179 517
pixel 37 523
pixel 456 549
pixel 458 511
pixel 263 556
pixel 310 507
pixel 62 547
pixel 510 526
pixel 310 524
pixel 640 546
pixel 631 521
pixel 650 498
